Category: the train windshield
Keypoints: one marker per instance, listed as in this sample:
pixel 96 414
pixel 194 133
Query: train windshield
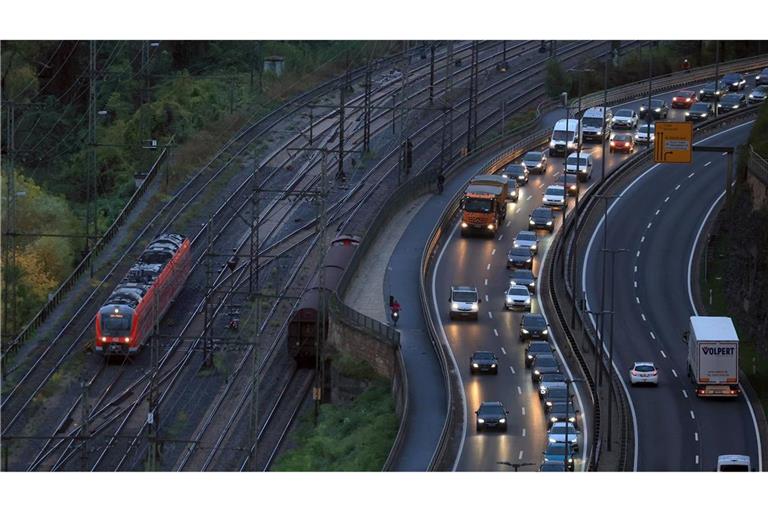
pixel 116 324
pixel 473 204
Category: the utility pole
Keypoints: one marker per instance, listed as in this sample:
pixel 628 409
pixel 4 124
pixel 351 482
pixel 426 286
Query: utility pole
pixel 254 417
pixel 207 317
pixel 476 76
pixel 448 98
pixel 717 76
pixel 431 73
pixel 91 211
pixel 153 419
pixel 366 110
pixel 613 253
pixel 322 313
pixel 9 277
pixel 340 173
pixel 471 111
pixel 85 428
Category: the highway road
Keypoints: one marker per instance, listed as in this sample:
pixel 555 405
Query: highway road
pixel 482 263
pixel 658 219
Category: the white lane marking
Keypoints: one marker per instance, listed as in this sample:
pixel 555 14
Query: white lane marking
pixel 520 455
pixel 523 411
pixel 486 281
pixel 637 299
pixel 724 153
pixel 528 198
pixel 674 372
pixel 490 315
pixel 503 351
pixel 663 354
pixel 685 393
pixel 486 298
pixel 635 268
pixel 509 222
pixel 463 396
pixel 519 390
pixel 493 252
pixel 488 267
pixel 516 211
pixel 638 253
pixel 677 187
pixel 693 416
pixel 695 436
pixel 501 236
pixel 697 459
pixel 693 307
pixel 708 163
pixel 635 284
pixel 523 431
pixel 512 370
pixel 653 335
pixel 496 333
pixel 666 200
pixel 657 211
pixel 642 239
pixel 540 185
pixel 643 317
pixel 691 175
pixel 649 225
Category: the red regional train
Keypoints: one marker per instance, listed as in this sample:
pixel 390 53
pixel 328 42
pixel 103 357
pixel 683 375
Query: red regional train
pixel 128 317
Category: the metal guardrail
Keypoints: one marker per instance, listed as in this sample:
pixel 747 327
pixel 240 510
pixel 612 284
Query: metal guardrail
pixel 86 262
pixel 758 166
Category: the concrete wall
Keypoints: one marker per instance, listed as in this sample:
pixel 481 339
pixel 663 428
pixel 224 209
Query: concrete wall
pixel 358 344
pixel 759 191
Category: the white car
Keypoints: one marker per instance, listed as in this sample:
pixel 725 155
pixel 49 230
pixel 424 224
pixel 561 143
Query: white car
pixel 554 197
pixel 527 239
pixel 556 434
pixel 518 297
pixel 644 373
pixel 641 135
pixel 625 118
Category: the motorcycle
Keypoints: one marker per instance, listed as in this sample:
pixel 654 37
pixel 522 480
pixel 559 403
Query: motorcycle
pixel 395 317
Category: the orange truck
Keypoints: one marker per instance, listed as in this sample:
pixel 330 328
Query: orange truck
pixel 484 208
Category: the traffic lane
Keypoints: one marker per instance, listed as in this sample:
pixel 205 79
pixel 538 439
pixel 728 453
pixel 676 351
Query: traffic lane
pixel 482 451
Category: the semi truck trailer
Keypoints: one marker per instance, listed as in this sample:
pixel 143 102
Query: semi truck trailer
pixel 713 356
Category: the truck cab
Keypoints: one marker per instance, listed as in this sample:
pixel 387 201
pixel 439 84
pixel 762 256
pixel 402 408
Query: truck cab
pixel 484 208
pixel 734 463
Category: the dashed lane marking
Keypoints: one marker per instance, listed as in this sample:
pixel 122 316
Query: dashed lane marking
pixel 519 390
pixel 509 222
pixel 708 163
pixel 724 153
pixel 663 354
pixel 486 298
pixel 490 315
pixel 635 284
pixel 685 393
pixel 523 432
pixel 697 459
pixel 488 267
pixel 637 299
pixel 642 315
pixel 528 198
pixel 512 370
pixel 503 351
pixel 638 253
pixel 493 252
pixel 501 236
pixel 516 211
pixel 666 199
pixel 677 187
pixel 653 335
pixel 495 331
pixel 486 281
pixel 674 372
pixel 693 416
pixel 635 269
pixel 691 175
pixel 649 225
pixel 657 211
pixel 523 411
pixel 642 239
pixel 520 455
pixel 695 436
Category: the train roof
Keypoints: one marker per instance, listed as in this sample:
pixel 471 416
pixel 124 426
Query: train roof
pixel 140 277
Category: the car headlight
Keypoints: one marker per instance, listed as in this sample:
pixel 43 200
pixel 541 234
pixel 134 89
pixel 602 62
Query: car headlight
pixel 536 372
pixel 528 300
pixel 533 247
pixel 502 420
pixel 127 339
pixel 474 307
pixel 515 244
pixel 552 440
pixel 571 144
pixel 736 84
pixel 701 91
pixel 509 299
pixel 475 365
pixel 513 283
pixel 528 260
pixel 751 96
pixel 719 104
pixel 687 100
pixel 553 419
pixel 583 170
pixel 544 332
pixel 480 420
pixel 531 221
pixel 464 224
pixel 570 460
pixel 549 403
pixel 549 223
pixel 493 365
pixel 703 115
pixel 572 419
pixel 538 165
pixel 658 109
pixel 524 331
pixel 490 226
pixel 687 114
pixel 735 106
pixel 103 338
pixel 454 306
pixel 530 356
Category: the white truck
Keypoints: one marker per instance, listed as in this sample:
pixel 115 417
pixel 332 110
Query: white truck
pixel 713 356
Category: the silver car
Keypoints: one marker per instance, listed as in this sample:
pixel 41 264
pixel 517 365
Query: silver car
pixel 641 135
pixel 527 239
pixel 557 433
pixel 518 298
pixel 758 94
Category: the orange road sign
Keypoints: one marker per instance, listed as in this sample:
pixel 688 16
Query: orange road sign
pixel 673 142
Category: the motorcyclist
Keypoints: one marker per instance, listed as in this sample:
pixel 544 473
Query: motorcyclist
pixel 395 308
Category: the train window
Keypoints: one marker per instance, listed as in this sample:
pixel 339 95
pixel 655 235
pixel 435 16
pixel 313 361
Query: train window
pixel 116 325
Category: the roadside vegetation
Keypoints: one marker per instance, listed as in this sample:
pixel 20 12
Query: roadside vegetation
pixel 737 268
pixel 354 434
pixel 199 92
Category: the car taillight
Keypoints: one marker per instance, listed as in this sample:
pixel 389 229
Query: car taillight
pixel 634 373
pixel 655 372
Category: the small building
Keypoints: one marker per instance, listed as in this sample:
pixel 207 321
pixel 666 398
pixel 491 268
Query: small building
pixel 274 64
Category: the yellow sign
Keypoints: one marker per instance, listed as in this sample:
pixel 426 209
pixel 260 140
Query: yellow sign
pixel 673 143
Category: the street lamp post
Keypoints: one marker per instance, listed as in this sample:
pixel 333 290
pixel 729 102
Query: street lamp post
pixel 515 465
pixel 605 198
pixel 568 383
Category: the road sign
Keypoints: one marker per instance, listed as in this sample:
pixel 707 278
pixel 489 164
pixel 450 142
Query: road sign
pixel 673 142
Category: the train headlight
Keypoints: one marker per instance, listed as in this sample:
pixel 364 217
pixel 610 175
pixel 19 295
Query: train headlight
pixel 127 339
pixel 103 338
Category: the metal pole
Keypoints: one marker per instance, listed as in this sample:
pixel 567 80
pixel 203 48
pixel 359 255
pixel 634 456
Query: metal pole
pixel 610 351
pixel 322 317
pixel 605 121
pixel 503 108
pixel 340 171
pixel 717 75
pixel 431 73
pixel 367 110
pixel 92 179
pixel 471 106
pixel 601 318
pixel 650 93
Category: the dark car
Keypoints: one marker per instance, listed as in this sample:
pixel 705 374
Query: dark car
pixel 562 411
pixel 542 218
pixel 758 94
pixel 571 184
pixel 523 277
pixel 552 466
pixel 556 392
pixel 683 99
pixel 491 415
pixel 731 102
pixel 519 257
pixel 699 112
pixel 543 364
pixel 559 452
pixel 483 361
pixel 534 349
pixel 535 162
pixel 710 92
pixel 518 172
pixel 735 81
pixel 533 326
pixel 547 380
pixel 659 109
pixel 762 77
pixel 623 142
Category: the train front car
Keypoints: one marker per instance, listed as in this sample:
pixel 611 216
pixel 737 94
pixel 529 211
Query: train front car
pixel 128 317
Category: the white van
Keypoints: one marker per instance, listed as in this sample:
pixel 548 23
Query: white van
pixel 734 463
pixel 592 124
pixel 564 137
pixel 580 164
